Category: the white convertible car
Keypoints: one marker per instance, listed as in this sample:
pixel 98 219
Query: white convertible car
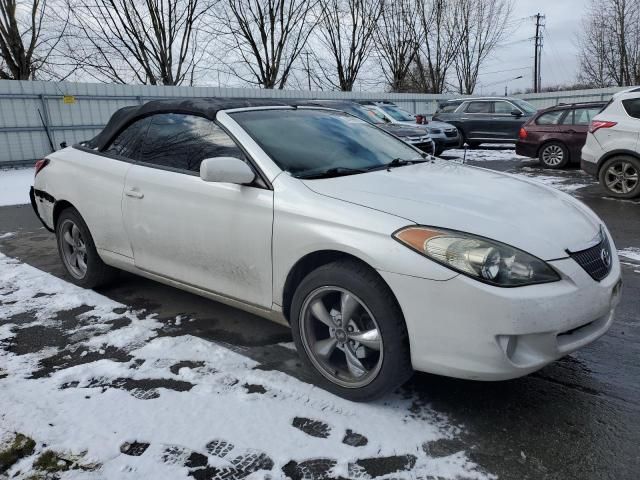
pixel 382 260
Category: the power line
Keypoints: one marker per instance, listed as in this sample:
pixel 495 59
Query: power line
pixel 506 70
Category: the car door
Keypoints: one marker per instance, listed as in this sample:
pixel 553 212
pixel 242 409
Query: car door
pixel 214 236
pixel 477 120
pixel 506 125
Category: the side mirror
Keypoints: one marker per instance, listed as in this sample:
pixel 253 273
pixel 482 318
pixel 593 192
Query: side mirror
pixel 516 113
pixel 226 170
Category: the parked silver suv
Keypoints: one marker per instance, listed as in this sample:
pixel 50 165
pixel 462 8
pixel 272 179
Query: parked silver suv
pixel 612 150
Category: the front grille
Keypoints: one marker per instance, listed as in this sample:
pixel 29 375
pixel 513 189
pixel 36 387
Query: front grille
pixel 596 260
pixel 425 147
pixel 450 133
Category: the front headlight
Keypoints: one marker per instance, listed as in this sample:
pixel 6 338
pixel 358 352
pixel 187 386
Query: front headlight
pixel 483 259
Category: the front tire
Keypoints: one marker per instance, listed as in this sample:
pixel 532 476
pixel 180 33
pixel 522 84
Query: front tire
pixel 78 252
pixel 620 176
pixel 554 155
pixel 350 331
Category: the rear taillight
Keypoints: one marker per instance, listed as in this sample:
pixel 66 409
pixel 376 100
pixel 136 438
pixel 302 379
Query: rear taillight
pixel 40 164
pixel 522 134
pixel 598 124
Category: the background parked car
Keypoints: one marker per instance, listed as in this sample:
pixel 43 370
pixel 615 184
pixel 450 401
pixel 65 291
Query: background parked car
pixel 411 134
pixel 612 150
pixel 557 134
pixel 443 134
pixel 486 119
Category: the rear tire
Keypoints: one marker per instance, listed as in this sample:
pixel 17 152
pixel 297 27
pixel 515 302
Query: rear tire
pixel 78 252
pixel 554 155
pixel 620 176
pixel 382 362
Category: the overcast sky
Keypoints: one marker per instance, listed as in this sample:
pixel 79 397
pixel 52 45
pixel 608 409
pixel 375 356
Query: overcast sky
pixel 559 54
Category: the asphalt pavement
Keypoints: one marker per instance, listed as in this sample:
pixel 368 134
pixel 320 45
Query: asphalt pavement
pixel 578 418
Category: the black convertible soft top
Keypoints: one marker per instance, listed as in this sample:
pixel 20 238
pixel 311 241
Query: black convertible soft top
pixel 204 107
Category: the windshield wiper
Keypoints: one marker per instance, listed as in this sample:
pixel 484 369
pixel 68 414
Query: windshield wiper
pixel 399 162
pixel 333 172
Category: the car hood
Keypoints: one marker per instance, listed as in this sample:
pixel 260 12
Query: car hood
pixel 438 124
pixel 400 130
pixel 527 215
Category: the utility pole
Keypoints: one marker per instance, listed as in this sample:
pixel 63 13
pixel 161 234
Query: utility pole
pixel 537 57
pixel 308 70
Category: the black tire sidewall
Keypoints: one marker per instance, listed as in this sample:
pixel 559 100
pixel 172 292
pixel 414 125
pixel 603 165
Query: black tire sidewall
pixel 376 295
pixel 565 155
pixel 621 158
pixel 97 272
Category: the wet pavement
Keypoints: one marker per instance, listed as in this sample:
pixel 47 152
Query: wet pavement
pixel 578 418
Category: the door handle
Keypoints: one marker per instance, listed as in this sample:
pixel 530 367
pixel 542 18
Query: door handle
pixel 134 193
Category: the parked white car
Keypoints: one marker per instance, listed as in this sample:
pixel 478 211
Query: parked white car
pixel 612 150
pixel 381 260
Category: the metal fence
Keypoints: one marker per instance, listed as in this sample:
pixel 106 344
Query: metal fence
pixel 35 117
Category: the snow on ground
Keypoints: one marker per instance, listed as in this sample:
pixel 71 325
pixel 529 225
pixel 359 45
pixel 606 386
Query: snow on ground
pixel 487 153
pixel 127 400
pixel 14 186
pixel 631 253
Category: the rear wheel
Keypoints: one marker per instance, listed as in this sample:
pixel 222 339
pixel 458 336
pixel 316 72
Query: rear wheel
pixel 621 176
pixel 78 252
pixel 554 155
pixel 349 330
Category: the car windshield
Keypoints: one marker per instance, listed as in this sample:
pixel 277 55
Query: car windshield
pixel 398 114
pixel 526 107
pixel 306 142
pixel 363 113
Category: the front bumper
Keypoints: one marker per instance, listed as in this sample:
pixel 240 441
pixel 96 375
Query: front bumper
pixel 446 142
pixel 466 329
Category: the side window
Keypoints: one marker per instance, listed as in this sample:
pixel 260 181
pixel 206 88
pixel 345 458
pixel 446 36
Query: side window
pixel 569 117
pixel 183 141
pixel 503 107
pixel 583 116
pixel 127 142
pixel 550 118
pixel 632 106
pixel 479 107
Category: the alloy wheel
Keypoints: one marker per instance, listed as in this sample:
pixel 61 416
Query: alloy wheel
pixel 341 337
pixel 552 155
pixel 621 177
pixel 74 249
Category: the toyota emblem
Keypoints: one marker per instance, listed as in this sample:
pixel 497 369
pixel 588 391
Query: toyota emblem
pixel 606 257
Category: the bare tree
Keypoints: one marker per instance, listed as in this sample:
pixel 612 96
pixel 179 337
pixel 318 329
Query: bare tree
pixel 398 38
pixel 480 24
pixel 27 39
pixel 441 45
pixel 153 42
pixel 347 28
pixel 269 36
pixel 610 43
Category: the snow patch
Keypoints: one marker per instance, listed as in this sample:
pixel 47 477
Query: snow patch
pixel 7 235
pixel 14 186
pixel 632 253
pixel 184 399
pixel 485 155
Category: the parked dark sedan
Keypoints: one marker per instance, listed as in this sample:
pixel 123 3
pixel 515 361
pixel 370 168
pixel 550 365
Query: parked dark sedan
pixel 557 134
pixel 486 119
pixel 414 135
